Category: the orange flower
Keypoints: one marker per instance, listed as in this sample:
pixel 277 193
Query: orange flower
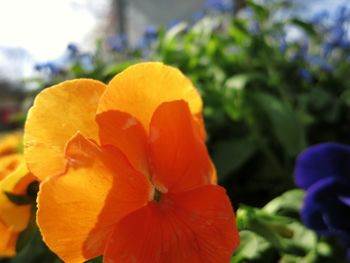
pixel 14 179
pixel 126 171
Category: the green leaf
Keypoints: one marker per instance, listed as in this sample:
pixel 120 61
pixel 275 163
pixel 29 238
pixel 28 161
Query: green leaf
pixel 96 260
pixel 285 234
pixel 28 198
pixel 35 251
pixel 19 199
pixel 287 204
pixel 252 248
pixel 174 32
pixel 285 123
pixel 240 81
pixel 261 12
pixel 114 69
pixel 234 99
pixel 230 155
pixel 307 27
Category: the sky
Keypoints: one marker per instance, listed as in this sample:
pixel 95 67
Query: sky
pixel 33 31
pixel 44 27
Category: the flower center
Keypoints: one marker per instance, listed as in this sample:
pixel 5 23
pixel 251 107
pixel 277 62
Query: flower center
pixel 157 195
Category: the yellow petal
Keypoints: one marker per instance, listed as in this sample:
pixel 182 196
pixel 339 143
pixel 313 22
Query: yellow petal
pixel 13 216
pixel 58 113
pixel 9 143
pixel 18 181
pixel 8 164
pixel 77 210
pixel 141 88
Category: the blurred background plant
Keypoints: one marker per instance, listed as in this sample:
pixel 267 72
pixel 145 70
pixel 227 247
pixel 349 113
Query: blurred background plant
pixel 272 82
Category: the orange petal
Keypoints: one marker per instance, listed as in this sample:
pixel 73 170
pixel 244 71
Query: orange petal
pixel 7 241
pixel 178 156
pixel 77 210
pixel 214 175
pixel 127 134
pixel 200 127
pixel 196 226
pixel 16 182
pixel 58 113
pixel 141 88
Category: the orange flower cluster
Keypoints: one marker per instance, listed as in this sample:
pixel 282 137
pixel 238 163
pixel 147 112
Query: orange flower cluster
pixel 14 179
pixel 125 171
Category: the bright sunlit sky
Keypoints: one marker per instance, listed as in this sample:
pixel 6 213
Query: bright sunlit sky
pixel 44 27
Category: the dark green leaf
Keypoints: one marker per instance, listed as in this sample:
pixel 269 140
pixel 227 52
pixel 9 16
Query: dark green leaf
pixel 19 199
pixel 230 155
pixel 285 123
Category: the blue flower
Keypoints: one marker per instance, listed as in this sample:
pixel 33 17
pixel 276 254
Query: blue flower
pixel 49 67
pixel 172 23
pixel 254 27
pixel 319 18
pixel 196 16
pixel 319 62
pixel 149 36
pixel 338 35
pixel 324 172
pixel 218 5
pixel 305 74
pixel 118 43
pixel 283 45
pixel 151 33
pixel 303 49
pixel 328 48
pixel 342 14
pixel 72 49
pixel 87 62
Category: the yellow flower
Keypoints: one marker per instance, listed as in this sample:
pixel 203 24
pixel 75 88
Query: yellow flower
pixel 14 180
pixel 126 173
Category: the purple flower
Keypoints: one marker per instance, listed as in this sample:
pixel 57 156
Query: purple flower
pixel 323 171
